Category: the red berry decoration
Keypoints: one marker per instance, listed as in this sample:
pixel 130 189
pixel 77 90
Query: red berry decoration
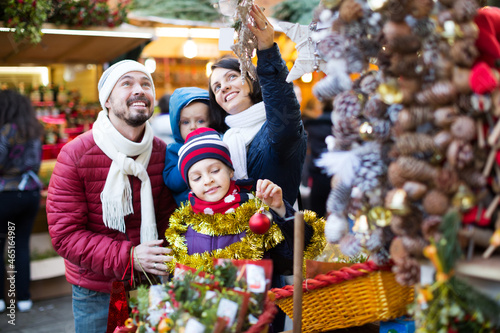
pixel 260 222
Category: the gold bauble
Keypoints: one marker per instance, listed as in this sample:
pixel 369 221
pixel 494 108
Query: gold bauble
pixel 390 93
pixel 464 199
pixel 366 131
pixel 376 4
pixel 380 216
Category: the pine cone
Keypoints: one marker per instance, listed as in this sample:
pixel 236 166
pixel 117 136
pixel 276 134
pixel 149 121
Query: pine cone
pixel 338 199
pixel 410 118
pixel 350 10
pixel 447 181
pixel 395 175
pixel 440 93
pixel 415 190
pixel 409 65
pixel 414 169
pixel 409 87
pixel 436 202
pixel 350 245
pixel 421 8
pixel 464 128
pixel 398 251
pixel 414 245
pixel 380 257
pixel 406 225
pixel 331 86
pixel 345 116
pixel 459 154
pixel 404 44
pixel 442 140
pixel 332 46
pixel 473 178
pixel 374 107
pixel 461 79
pixel 355 60
pixel 430 227
pixel 464 10
pixel 444 116
pixel 376 240
pixel 397 10
pixel 464 52
pixel 413 143
pixel 407 272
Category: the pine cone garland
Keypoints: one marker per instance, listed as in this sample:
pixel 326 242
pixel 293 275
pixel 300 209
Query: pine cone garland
pixel 410 118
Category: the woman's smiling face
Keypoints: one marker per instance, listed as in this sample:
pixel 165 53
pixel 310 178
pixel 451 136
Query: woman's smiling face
pixel 230 93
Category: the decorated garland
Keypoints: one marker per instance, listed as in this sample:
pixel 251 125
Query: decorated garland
pixel 251 246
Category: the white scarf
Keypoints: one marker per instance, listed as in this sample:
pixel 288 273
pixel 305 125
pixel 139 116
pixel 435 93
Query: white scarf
pixel 243 127
pixel 116 197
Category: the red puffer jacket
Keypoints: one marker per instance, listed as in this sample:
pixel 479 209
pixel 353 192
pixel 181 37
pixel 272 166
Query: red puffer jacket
pixel 96 255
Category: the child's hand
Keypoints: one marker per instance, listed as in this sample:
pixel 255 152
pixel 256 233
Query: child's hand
pixel 272 195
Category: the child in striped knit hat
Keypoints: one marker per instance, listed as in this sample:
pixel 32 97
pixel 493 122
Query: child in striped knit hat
pixel 214 221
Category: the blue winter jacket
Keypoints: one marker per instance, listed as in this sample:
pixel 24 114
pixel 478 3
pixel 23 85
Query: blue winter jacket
pixel 171 174
pixel 278 150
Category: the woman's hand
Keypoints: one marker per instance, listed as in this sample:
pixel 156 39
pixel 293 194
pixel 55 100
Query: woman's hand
pixel 261 28
pixel 272 195
pixel 151 257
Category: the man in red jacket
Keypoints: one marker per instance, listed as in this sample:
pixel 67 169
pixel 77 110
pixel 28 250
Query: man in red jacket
pixel 107 203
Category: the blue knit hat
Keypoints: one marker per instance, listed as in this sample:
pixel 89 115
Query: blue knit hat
pixel 201 144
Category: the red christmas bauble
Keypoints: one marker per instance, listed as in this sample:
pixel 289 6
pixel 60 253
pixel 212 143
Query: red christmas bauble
pixel 260 223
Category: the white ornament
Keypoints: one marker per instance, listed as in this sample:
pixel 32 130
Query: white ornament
pixel 336 227
pixel 306 62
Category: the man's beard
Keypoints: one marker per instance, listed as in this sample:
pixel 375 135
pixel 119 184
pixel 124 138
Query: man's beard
pixel 138 121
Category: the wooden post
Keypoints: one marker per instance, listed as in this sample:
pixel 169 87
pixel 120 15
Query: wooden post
pixel 298 254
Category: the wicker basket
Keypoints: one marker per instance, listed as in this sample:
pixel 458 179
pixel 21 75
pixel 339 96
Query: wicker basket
pixel 352 296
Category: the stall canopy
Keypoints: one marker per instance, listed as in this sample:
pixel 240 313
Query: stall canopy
pixel 71 46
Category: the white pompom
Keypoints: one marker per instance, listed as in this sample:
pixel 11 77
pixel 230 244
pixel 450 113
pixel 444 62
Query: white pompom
pixel 335 228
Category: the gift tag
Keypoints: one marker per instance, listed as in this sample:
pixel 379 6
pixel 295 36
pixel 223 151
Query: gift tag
pixel 226 39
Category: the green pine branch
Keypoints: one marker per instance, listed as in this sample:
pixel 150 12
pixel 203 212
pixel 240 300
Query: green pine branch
pixel 194 10
pixel 295 11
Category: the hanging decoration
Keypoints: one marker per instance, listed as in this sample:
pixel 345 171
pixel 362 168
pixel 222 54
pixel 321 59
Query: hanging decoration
pixel 308 60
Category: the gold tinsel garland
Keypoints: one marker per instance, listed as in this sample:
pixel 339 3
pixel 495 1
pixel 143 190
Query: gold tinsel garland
pixel 252 246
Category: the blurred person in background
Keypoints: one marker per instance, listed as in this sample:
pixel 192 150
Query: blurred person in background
pixel 161 122
pixel 317 130
pixel 20 159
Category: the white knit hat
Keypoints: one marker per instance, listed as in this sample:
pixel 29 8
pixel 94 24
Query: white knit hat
pixel 114 73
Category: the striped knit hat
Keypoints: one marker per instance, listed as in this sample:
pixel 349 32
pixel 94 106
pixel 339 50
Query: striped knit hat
pixel 201 144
